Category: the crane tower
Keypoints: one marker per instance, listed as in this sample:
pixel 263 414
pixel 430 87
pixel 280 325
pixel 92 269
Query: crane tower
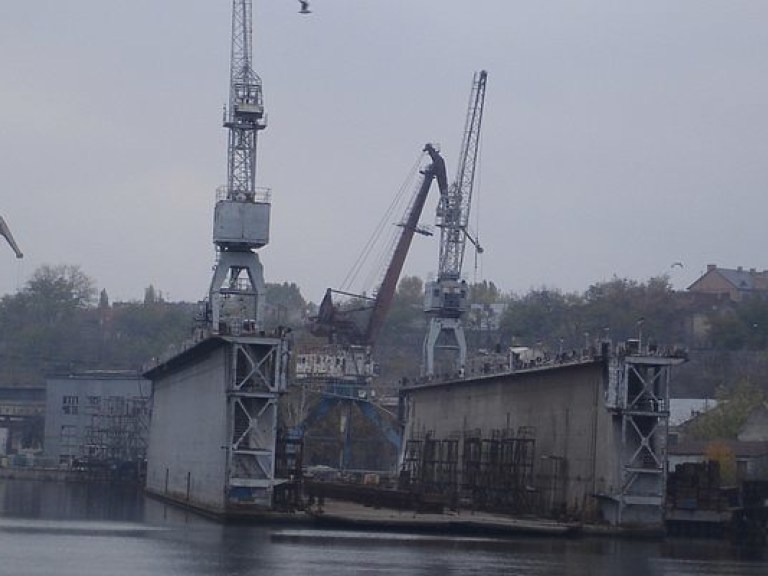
pixel 241 216
pixel 446 298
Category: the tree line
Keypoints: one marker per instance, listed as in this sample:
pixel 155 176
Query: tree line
pixel 60 323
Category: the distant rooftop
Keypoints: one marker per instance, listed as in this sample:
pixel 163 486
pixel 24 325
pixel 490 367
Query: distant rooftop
pixel 683 409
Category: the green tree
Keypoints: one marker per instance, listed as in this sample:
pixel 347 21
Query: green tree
pixel 103 299
pixel 544 314
pixel 150 296
pixel 46 325
pixel 285 305
pixel 743 326
pixel 406 311
pixel 734 407
pixel 485 292
pixel 398 351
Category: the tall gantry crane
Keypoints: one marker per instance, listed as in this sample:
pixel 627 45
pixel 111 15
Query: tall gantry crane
pixel 241 217
pixel 256 362
pixel 446 298
pixel 5 232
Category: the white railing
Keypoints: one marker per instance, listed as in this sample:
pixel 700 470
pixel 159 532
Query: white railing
pixel 261 195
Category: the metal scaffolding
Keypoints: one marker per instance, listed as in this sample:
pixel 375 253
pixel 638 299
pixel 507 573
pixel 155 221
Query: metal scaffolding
pixel 491 473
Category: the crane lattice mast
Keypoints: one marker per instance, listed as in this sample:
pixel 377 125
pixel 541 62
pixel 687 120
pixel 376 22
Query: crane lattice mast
pixel 446 299
pixel 456 204
pixel 241 217
pixel 244 117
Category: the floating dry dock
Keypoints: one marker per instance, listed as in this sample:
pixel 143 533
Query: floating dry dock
pixel 213 441
pixel 584 438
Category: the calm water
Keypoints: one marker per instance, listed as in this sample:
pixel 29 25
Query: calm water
pixel 49 528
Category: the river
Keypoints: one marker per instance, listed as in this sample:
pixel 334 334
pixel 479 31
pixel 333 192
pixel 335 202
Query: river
pixel 49 528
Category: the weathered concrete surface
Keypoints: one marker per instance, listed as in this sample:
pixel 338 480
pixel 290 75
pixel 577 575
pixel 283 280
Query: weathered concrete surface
pixel 186 457
pixel 577 448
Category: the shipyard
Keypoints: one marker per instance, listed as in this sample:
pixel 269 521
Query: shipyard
pixel 335 365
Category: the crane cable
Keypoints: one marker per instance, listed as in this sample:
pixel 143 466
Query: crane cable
pixel 381 264
pixel 368 247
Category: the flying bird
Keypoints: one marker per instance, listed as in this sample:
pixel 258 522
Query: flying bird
pixel 677 265
pixel 304 9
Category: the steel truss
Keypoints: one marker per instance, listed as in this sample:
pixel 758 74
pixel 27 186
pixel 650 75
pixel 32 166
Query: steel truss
pixel 255 380
pixel 641 400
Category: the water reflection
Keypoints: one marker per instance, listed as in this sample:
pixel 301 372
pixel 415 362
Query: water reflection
pixel 71 529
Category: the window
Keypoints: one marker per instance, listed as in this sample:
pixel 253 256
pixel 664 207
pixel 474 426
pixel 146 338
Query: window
pixel 116 405
pixel 69 405
pixel 68 432
pixel 68 438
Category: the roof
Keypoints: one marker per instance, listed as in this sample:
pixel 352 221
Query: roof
pixel 492 377
pixel 194 349
pixel 699 448
pixel 739 278
pixel 684 409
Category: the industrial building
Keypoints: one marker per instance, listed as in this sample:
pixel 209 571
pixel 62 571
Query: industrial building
pixel 97 417
pixel 22 411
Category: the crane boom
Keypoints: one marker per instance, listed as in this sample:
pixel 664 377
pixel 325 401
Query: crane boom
pixel 458 201
pixel 341 325
pixel 436 170
pixel 5 232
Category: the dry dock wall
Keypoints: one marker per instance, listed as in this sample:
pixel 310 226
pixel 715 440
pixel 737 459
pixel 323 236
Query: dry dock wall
pixel 564 405
pixel 186 458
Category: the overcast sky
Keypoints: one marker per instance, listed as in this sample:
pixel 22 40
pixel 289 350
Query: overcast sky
pixel 618 137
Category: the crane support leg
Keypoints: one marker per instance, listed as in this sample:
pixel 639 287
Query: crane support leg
pixel 454 330
pixel 391 432
pixel 237 301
